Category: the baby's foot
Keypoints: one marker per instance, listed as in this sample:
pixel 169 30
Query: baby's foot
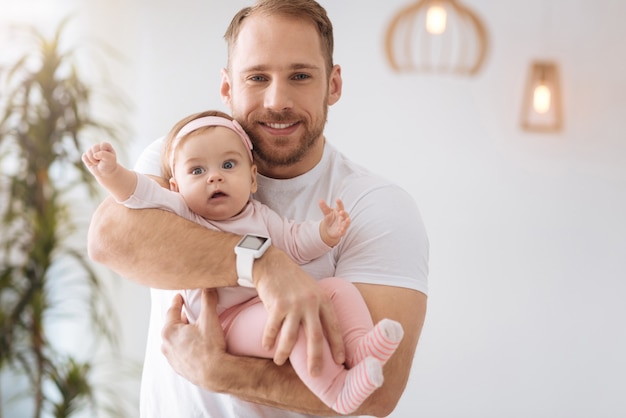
pixel 380 342
pixel 361 381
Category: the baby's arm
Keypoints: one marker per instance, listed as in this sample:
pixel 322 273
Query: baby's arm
pixel 101 160
pixel 335 223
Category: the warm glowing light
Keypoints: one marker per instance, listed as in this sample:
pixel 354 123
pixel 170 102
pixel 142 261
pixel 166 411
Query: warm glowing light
pixel 436 36
pixel 436 20
pixel 541 109
pixel 541 99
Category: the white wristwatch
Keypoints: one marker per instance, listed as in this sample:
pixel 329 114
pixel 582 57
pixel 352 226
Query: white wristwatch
pixel 249 248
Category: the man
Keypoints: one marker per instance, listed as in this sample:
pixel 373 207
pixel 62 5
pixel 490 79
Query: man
pixel 279 83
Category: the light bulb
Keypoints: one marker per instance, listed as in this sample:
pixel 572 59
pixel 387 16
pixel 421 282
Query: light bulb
pixel 436 20
pixel 541 99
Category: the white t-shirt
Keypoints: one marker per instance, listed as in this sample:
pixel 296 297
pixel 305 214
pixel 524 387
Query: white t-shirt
pixel 385 244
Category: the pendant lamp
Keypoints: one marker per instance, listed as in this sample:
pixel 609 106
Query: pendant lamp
pixel 441 36
pixel 541 107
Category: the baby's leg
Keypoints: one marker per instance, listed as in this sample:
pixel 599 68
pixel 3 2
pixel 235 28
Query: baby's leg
pixel 352 313
pixel 243 330
pixel 361 338
pixel 341 389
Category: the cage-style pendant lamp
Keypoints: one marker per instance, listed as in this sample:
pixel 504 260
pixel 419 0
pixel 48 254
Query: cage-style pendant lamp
pixel 436 36
pixel 541 107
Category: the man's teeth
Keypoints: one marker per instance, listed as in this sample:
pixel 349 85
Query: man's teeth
pixel 279 125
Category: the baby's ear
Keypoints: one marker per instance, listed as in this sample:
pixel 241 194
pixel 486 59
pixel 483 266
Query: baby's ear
pixel 173 185
pixel 253 183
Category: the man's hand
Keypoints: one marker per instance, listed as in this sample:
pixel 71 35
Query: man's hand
pixel 197 352
pixel 293 299
pixel 186 346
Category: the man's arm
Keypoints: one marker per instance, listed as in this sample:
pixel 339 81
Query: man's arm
pixel 162 250
pixel 409 308
pixel 189 346
pixel 159 249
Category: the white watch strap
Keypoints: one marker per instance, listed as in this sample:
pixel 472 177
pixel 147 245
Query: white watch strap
pixel 244 270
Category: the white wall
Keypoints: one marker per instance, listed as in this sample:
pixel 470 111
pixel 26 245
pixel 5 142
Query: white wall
pixel 527 231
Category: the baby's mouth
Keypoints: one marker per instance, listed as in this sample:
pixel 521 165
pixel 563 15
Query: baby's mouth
pixel 218 194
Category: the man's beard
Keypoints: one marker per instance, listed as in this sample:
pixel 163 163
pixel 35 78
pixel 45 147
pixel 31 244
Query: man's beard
pixel 269 156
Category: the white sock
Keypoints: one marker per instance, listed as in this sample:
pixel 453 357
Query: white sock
pixel 380 342
pixel 361 381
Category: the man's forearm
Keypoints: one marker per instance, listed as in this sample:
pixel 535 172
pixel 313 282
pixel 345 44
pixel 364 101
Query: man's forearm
pixel 160 249
pixel 409 308
pixel 263 382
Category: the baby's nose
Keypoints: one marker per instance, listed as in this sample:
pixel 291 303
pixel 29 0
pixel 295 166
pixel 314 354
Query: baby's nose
pixel 215 177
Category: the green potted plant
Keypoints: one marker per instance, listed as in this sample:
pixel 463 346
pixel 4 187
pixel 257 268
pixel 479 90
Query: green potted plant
pixel 46 120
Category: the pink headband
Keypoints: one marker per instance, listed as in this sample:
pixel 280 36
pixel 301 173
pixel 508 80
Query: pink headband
pixel 195 124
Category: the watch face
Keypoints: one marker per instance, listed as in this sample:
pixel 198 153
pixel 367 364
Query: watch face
pixel 252 242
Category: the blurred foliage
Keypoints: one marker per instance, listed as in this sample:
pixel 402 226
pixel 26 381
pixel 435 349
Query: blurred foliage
pixel 46 119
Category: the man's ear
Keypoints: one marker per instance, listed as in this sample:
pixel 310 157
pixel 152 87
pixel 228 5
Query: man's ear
pixel 335 84
pixel 225 88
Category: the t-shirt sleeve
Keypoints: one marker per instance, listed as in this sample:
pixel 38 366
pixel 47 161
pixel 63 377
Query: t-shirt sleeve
pixel 149 161
pixel 386 242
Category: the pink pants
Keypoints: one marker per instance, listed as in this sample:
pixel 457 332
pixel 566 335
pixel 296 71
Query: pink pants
pixel 244 325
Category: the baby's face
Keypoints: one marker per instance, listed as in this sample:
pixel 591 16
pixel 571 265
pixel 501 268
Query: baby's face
pixel 214 174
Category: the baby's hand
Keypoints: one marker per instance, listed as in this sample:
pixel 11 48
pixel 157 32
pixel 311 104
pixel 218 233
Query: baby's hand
pixel 100 159
pixel 335 223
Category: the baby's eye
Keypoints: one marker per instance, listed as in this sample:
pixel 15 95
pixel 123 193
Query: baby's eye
pixel 197 171
pixel 228 165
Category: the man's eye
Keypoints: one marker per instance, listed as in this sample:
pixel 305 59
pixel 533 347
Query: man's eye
pixel 196 171
pixel 301 76
pixel 228 164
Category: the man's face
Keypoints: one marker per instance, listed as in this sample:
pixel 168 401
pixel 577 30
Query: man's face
pixel 278 89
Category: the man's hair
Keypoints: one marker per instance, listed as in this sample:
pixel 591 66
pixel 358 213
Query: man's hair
pixel 301 9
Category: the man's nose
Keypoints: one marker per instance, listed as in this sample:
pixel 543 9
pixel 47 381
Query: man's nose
pixel 278 96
